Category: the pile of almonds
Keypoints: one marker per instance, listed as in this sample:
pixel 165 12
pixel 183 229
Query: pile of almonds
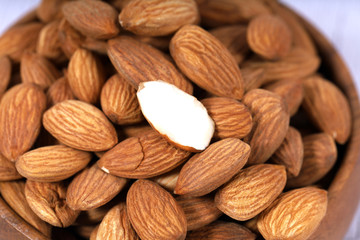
pixel 167 119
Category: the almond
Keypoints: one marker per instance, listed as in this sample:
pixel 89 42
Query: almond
pixel 70 39
pixel 8 170
pixel 95 19
pixel 154 213
pixel 169 179
pixel 119 102
pixel 208 170
pixel 253 77
pixel 23 101
pixel 232 118
pixel 47 200
pixel 59 91
pixel 270 124
pixel 135 130
pixel 321 100
pixel 95 45
pixel 49 10
pixel 145 64
pixel 294 215
pixel 49 44
pixel 251 191
pixel 158 18
pixel 5 73
pixel 161 43
pixel 145 156
pixel 92 188
pixel 52 163
pixel 71 118
pixel 206 62
pixel 320 154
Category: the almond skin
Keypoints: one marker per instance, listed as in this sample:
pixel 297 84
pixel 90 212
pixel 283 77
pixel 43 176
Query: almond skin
pixel 270 124
pixel 23 101
pixel 52 163
pixel 251 191
pixel 145 156
pixel 70 39
pixel 48 44
pixel 119 102
pixel 95 19
pixel 8 170
pixel 321 100
pixel 154 213
pixel 71 118
pixel 145 64
pixel 232 118
pixel 206 62
pixel 5 73
pixel 59 91
pixel 301 212
pixel 208 170
pixel 92 188
pixel 47 200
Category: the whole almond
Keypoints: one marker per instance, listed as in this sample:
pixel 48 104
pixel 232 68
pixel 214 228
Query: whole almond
pixel 269 36
pixel 70 39
pixel 270 124
pixel 231 118
pixel 206 62
pixel 145 64
pixel 208 170
pixel 301 212
pixel 321 100
pixel 119 101
pixel 251 191
pixel 154 213
pixel 80 125
pixel 59 91
pixel 95 19
pixel 47 200
pixel 85 76
pixel 52 163
pixel 159 18
pixel 92 188
pixel 48 44
pixel 145 156
pixel 8 170
pixel 23 101
pixel 49 10
pixel 5 73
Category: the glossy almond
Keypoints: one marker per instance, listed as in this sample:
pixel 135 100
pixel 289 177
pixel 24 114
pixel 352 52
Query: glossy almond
pixel 5 73
pixel 301 212
pixel 70 39
pixel 119 101
pixel 231 118
pixel 154 213
pixel 52 163
pixel 251 191
pixel 48 201
pixel 85 76
pixel 48 44
pixel 145 156
pixel 270 124
pixel 49 10
pixel 59 91
pixel 92 188
pixel 8 170
pixel 328 107
pixel 208 170
pixel 23 101
pixel 206 62
pixel 95 19
pixel 72 118
pixel 145 64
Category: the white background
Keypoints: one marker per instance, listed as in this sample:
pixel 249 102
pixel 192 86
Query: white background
pixel 339 20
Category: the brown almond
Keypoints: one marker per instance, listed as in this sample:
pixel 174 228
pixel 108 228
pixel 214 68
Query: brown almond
pixel 301 213
pixel 251 191
pixel 119 101
pixel 48 44
pixel 158 18
pixel 320 154
pixel 145 64
pixel 49 10
pixel 95 19
pixel 71 118
pixel 70 39
pixel 154 213
pixel 23 101
pixel 95 45
pixel 145 156
pixel 59 91
pixel 270 124
pixel 168 180
pixel 48 201
pixel 328 107
pixel 231 117
pixel 52 163
pixel 8 170
pixel 253 77
pixel 208 170
pixel 92 188
pixel 290 153
pixel 206 62
pixel 5 73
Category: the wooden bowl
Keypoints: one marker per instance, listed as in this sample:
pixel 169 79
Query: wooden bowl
pixel 343 195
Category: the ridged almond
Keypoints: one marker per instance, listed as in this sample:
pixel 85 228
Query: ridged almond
pixel 48 44
pixel 154 213
pixel 80 125
pixel 8 170
pixel 59 91
pixel 70 39
pixel 5 73
pixel 206 62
